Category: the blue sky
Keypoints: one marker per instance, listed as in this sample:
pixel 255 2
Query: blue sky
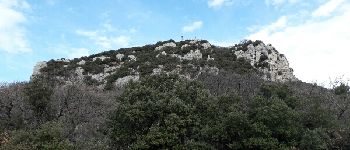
pixel 313 34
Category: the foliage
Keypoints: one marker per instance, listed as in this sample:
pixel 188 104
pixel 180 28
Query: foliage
pixel 55 68
pixel 93 67
pixel 263 58
pixel 49 136
pixel 160 112
pixel 234 109
pixel 164 112
pixel 342 89
pixel 314 139
pixel 38 94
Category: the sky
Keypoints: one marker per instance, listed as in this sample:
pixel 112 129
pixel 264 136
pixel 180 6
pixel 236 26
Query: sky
pixel 313 34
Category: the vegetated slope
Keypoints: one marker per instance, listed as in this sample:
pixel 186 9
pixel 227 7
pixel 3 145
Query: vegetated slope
pixel 190 59
pixel 187 95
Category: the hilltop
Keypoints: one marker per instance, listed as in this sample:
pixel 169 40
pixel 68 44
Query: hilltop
pixel 189 59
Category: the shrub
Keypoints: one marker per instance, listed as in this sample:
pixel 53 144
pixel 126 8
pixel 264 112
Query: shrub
pixel 38 95
pixel 314 139
pixel 93 67
pixel 263 58
pixel 49 136
pixel 341 89
pixel 90 81
pixel 160 112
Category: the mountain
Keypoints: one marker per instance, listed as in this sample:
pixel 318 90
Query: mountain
pixel 189 59
pixel 174 95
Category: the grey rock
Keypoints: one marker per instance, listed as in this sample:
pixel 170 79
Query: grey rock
pixel 37 67
pixel 171 44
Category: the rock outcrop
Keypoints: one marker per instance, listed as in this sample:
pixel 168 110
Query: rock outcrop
pixel 171 44
pixel 274 65
pixel 38 67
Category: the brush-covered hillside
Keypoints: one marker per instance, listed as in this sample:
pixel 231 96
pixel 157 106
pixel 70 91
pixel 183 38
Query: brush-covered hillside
pixel 174 95
pixel 189 59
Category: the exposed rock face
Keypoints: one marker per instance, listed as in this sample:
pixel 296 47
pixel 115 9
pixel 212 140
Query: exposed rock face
pixel 37 67
pixel 273 64
pixel 171 44
pixel 119 56
pixel 206 45
pixel 157 71
pixel 101 58
pixel 132 57
pixel 82 62
pixel 122 81
pixel 184 46
pixel 79 72
pixel 193 54
pixel 99 77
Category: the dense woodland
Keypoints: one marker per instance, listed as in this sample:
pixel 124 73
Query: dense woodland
pixel 234 109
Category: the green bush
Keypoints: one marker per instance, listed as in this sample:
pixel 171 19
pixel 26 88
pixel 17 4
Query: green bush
pixel 165 112
pixel 93 67
pixel 263 58
pixel 38 94
pixel 160 112
pixel 341 89
pixel 49 136
pixel 314 139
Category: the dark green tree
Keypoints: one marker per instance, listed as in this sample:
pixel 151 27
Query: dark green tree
pixel 160 112
pixel 49 136
pixel 38 94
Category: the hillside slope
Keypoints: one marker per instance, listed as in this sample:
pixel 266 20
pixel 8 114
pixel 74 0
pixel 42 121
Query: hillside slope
pixel 188 95
pixel 189 59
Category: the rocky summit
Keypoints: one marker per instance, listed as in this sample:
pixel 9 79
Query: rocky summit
pixel 189 59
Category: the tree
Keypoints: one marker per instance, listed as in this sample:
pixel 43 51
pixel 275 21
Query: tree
pixel 11 106
pixel 49 136
pixel 343 93
pixel 38 94
pixel 159 112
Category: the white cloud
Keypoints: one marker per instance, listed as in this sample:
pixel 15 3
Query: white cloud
pixel 67 51
pixel 104 41
pixel 223 43
pixel 193 26
pixel 280 2
pixel 12 33
pixel 280 23
pixel 121 40
pixel 78 52
pixel 327 8
pixel 316 49
pixel 51 2
pixel 132 30
pixel 219 3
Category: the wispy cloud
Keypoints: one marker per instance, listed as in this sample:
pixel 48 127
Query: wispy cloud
pixel 12 32
pixel 219 3
pixel 103 40
pixel 78 52
pixel 280 2
pixel 193 26
pixel 51 2
pixel 327 8
pixel 316 48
